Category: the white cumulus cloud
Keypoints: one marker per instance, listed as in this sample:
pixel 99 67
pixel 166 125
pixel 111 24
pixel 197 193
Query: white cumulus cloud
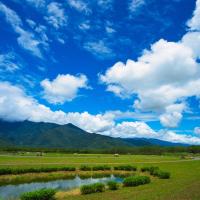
pixel 63 88
pixel 164 76
pixel 172 116
pixel 16 105
pixel 194 23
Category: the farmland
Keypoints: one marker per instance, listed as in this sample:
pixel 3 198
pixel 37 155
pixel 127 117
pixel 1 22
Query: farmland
pixel 183 184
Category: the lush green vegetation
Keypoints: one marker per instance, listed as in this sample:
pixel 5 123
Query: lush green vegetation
pixel 4 171
pixel 155 171
pixel 92 188
pixel 101 168
pixel 125 168
pixel 183 184
pixel 136 150
pixel 113 185
pixel 43 194
pixel 136 180
pixel 85 168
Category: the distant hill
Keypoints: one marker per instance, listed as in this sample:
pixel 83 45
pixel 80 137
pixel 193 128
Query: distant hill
pixel 32 134
pixel 152 141
pixel 49 135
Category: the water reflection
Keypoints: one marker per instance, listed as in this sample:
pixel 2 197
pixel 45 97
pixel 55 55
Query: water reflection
pixel 12 192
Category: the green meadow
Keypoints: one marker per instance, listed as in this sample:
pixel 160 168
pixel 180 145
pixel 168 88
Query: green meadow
pixel 183 184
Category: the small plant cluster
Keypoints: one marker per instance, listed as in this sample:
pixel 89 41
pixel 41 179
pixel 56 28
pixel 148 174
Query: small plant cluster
pixel 4 171
pixel 42 194
pixel 112 185
pixel 92 188
pixel 101 168
pixel 125 168
pixel 155 171
pixel 98 187
pixel 85 168
pixel 133 181
pixel 94 168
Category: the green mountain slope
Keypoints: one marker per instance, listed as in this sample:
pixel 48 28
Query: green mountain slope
pixel 32 134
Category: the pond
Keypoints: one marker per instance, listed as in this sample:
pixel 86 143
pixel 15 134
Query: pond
pixel 12 192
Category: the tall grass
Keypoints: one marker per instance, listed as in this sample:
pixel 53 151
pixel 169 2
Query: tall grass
pixel 136 181
pixel 92 188
pixel 43 194
pixel 5 171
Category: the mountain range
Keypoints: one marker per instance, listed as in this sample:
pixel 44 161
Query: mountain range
pixel 50 135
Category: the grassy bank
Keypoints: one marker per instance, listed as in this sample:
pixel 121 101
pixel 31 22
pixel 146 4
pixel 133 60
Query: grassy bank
pixel 184 184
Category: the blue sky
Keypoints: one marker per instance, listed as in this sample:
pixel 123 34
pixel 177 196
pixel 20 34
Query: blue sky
pixel 119 68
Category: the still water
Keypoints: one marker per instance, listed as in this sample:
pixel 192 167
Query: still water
pixel 12 192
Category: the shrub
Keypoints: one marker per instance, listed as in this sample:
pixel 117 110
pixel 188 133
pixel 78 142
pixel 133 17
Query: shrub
pixel 99 187
pixel 92 188
pixel 149 169
pixel 125 168
pixel 84 176
pixel 163 175
pixel 43 194
pixel 85 168
pixel 154 171
pixel 101 175
pixel 112 185
pixel 101 168
pixel 4 171
pixel 87 189
pixel 136 180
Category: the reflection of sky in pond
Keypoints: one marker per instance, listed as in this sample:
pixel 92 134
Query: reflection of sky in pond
pixel 11 192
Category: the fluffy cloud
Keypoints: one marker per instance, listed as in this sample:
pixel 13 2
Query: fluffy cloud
pixel 164 76
pixel 63 88
pixel 172 116
pixel 15 105
pixel 192 40
pixel 142 130
pixel 131 130
pixel 194 23
pixel 56 15
pixel 26 39
pixel 159 77
pixel 171 136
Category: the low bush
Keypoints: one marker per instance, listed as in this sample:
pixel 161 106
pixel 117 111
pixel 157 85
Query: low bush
pixel 101 168
pixel 150 169
pixel 92 188
pixel 5 171
pixel 125 168
pixel 112 185
pixel 101 175
pixel 85 176
pixel 87 189
pixel 155 171
pixel 43 194
pixel 85 168
pixel 136 180
pixel 99 187
pixel 163 175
